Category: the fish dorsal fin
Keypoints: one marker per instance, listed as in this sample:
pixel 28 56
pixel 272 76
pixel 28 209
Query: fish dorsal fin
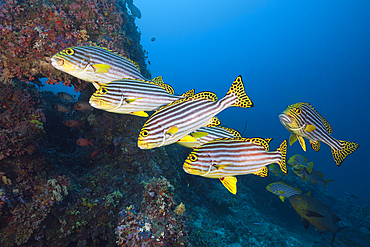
pixel 233 132
pixel 213 122
pixel 259 141
pixel 229 183
pixel 159 82
pixel 205 95
pixel 263 172
pixel 326 123
pixel 189 93
pixel 320 174
pixel 315 145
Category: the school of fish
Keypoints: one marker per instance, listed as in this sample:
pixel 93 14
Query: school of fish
pixel 190 120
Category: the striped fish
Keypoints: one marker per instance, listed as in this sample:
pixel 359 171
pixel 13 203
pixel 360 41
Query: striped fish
pixel 298 162
pixel 209 133
pixel 282 190
pixel 133 96
pixel 303 121
pixel 227 157
pixel 315 176
pixel 176 120
pixel 95 64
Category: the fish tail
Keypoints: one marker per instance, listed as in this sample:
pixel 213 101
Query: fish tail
pixel 335 233
pixel 283 149
pixel 341 154
pixel 237 90
pixel 327 181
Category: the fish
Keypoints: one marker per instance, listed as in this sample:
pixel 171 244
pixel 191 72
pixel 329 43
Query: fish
pixel 275 169
pixel 95 64
pixel 73 123
pixel 226 158
pixel 152 39
pixel 133 96
pixel 66 96
pixel 178 119
pixel 61 108
pixel 84 142
pixel 282 190
pixel 303 121
pixel 298 162
pixel 315 176
pixel 207 134
pixel 317 213
pixel 82 106
pixel 350 194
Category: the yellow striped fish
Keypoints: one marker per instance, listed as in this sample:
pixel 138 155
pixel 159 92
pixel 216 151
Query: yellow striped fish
pixel 209 133
pixel 227 157
pixel 298 162
pixel 133 96
pixel 282 190
pixel 95 64
pixel 176 120
pixel 303 121
pixel 315 176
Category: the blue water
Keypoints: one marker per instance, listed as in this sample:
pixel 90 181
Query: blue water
pixel 287 52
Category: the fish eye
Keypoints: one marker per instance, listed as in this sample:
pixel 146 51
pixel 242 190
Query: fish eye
pixel 297 110
pixel 144 133
pixel 69 51
pixel 103 90
pixel 193 157
pixel 298 198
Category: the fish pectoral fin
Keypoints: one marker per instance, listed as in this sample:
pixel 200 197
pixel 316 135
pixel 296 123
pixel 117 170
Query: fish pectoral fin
pixel 282 198
pixel 131 100
pixel 229 183
pixel 305 223
pixel 187 138
pixel 309 128
pixel 219 167
pixel 173 130
pixel 101 68
pixel 199 134
pixel 292 139
pixel 310 167
pixel 302 142
pixel 263 172
pixel 140 113
pixel 315 145
pixel 308 193
pixel 310 213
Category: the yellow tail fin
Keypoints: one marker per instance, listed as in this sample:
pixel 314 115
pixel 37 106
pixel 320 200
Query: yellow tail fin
pixel 347 149
pixel 283 149
pixel 237 89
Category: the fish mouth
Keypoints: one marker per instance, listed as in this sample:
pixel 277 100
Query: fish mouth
pixel 285 119
pixel 56 61
pixel 143 145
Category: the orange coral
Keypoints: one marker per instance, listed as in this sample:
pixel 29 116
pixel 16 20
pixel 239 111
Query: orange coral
pixel 180 209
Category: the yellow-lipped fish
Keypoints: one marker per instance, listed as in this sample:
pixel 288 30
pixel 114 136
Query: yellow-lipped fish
pixel 95 64
pixel 303 121
pixel 298 162
pixel 133 96
pixel 226 158
pixel 178 119
pixel 282 190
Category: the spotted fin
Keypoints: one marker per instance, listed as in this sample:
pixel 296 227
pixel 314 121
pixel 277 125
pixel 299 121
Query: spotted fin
pixel 292 139
pixel 213 122
pixel 233 132
pixel 283 150
pixel 140 113
pixel 159 82
pixel 315 145
pixel 237 89
pixel 229 183
pixel 189 93
pixel 302 142
pixel 347 149
pixel 101 68
pixel 263 172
